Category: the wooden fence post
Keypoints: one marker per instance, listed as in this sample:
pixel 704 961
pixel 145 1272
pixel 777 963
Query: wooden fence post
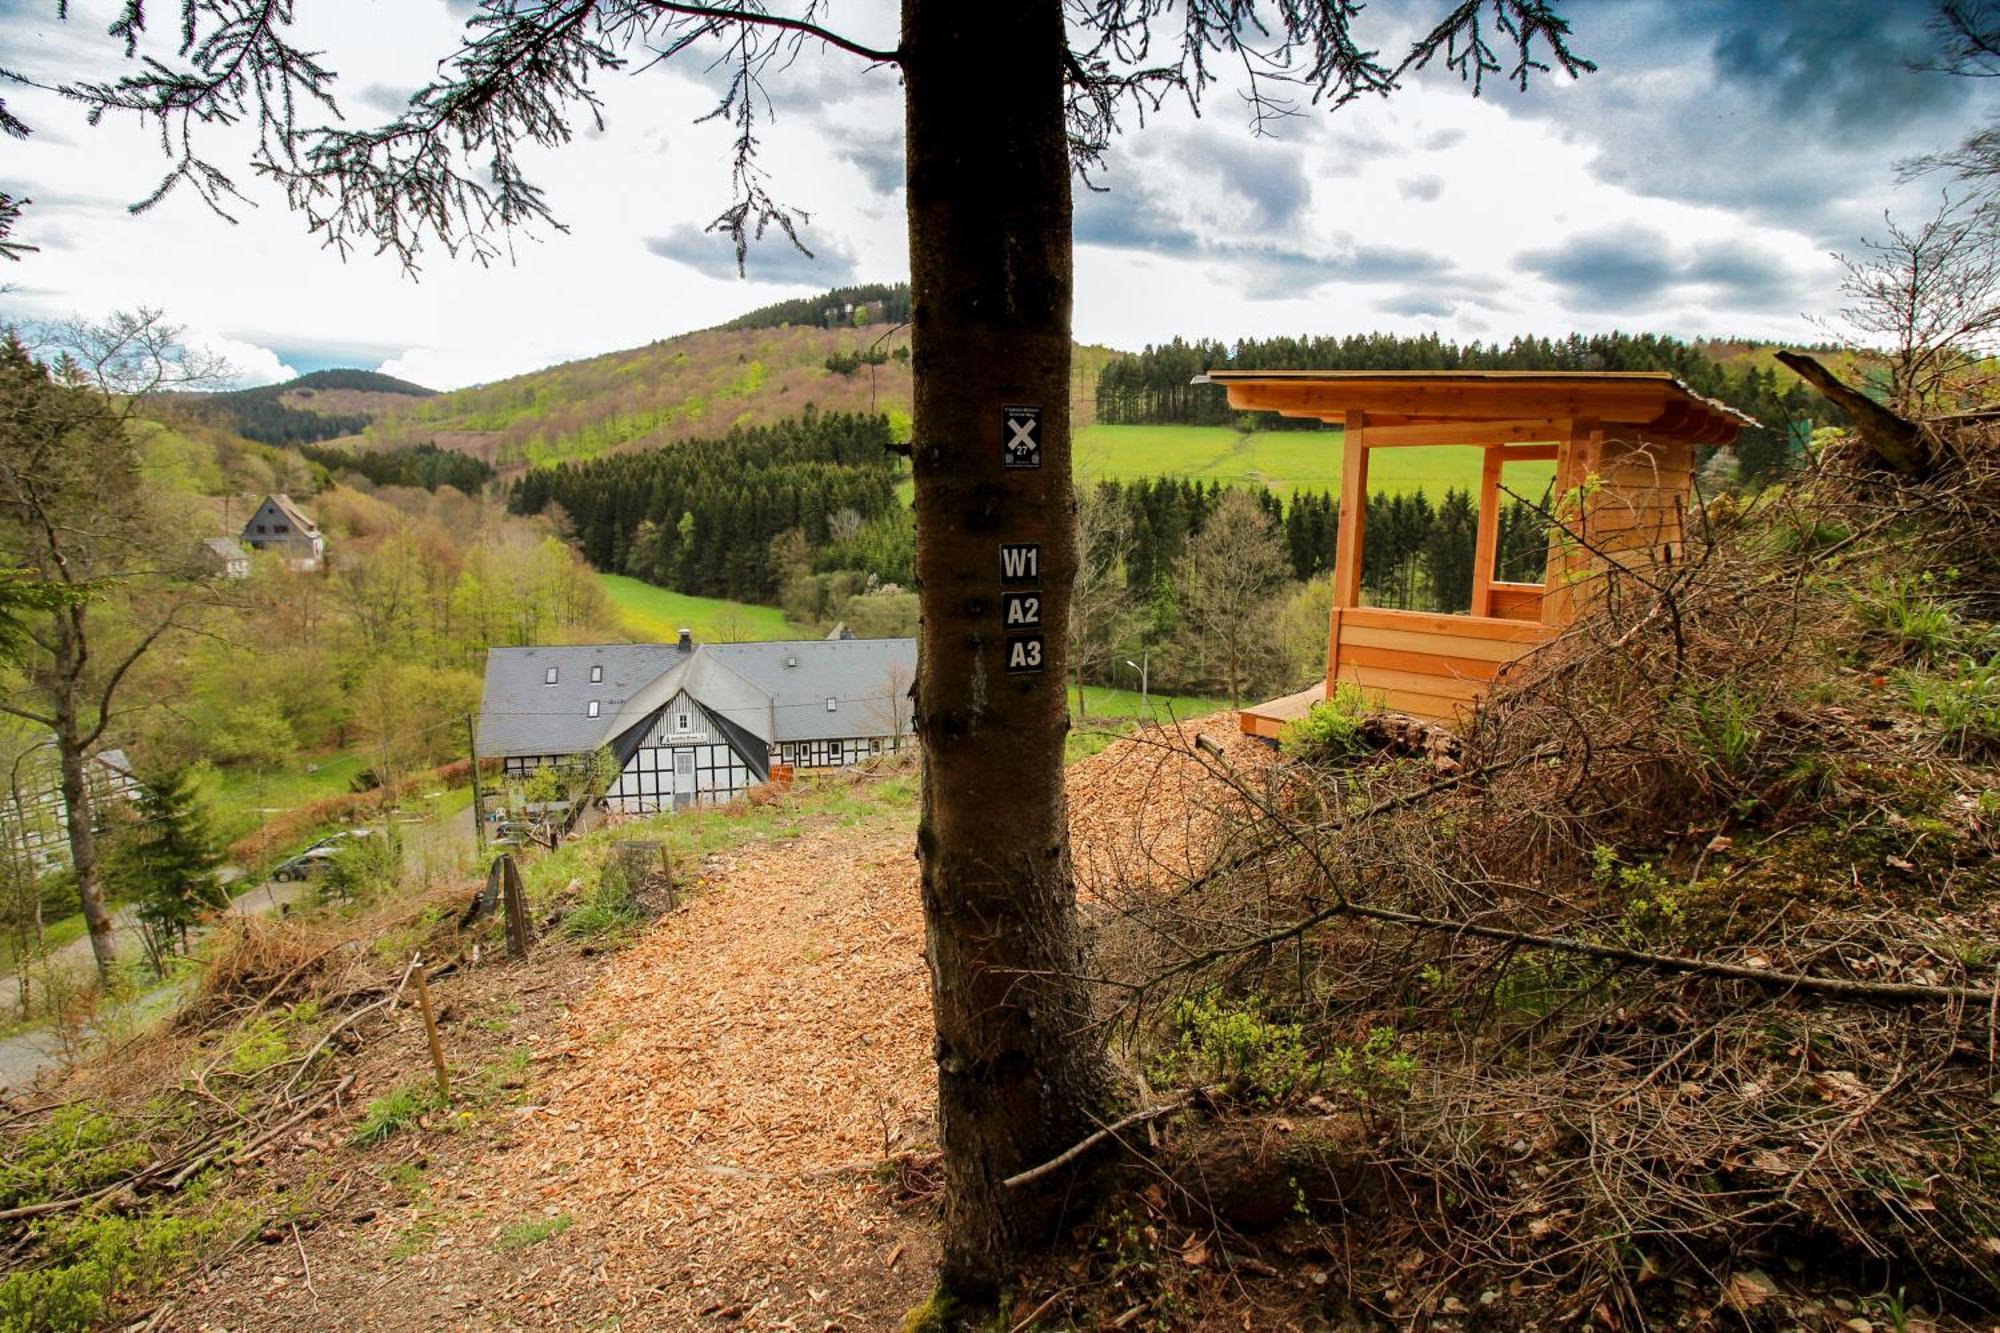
pixel 516 902
pixel 431 1033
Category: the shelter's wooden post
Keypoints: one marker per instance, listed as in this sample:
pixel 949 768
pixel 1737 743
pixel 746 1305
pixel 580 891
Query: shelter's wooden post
pixel 1353 513
pixel 1347 547
pixel 1488 546
pixel 1579 456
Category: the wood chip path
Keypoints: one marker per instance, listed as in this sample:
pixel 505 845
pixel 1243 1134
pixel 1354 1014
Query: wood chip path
pixel 704 1121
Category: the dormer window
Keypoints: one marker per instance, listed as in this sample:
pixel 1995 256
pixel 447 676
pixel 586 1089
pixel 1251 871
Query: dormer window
pixel 597 675
pixel 593 709
pixel 549 676
pixel 833 705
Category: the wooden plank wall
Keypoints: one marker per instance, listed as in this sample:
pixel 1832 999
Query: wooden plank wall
pixel 1434 666
pixel 1643 498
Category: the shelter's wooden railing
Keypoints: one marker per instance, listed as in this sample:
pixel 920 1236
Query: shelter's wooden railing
pixel 1515 601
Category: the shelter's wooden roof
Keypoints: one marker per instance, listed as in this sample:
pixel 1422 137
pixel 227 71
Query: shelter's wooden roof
pixel 1650 402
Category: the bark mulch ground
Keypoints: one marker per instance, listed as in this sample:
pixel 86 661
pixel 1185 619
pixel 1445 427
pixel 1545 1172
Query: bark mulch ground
pixel 695 1148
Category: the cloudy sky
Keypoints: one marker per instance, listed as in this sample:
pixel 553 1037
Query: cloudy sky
pixel 1697 184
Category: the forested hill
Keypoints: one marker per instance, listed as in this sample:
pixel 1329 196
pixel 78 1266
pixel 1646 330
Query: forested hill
pixel 870 303
pixel 696 385
pixel 323 405
pixel 1155 387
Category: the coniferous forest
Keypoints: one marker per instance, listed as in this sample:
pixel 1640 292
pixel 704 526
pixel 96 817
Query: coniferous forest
pixel 1155 386
pixel 421 465
pixel 700 516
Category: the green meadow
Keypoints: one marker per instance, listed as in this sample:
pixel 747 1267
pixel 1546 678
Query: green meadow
pixel 1282 460
pixel 656 615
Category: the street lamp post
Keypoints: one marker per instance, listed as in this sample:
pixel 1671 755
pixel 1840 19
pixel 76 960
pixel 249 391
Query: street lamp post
pixel 1141 666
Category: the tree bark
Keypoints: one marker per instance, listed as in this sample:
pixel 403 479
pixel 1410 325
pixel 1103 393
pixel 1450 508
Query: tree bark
pixel 1896 441
pixel 1019 1073
pixel 79 816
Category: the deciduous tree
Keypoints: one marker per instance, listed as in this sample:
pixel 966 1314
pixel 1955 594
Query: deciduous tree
pixel 1228 584
pixel 75 510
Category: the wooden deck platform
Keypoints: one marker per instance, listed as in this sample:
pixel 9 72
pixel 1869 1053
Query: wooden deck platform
pixel 1268 719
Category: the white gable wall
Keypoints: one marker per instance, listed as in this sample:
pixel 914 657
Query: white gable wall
pixel 682 760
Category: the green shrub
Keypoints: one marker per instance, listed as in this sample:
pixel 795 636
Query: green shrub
pixel 1377 1070
pixel 1221 1040
pixel 363 867
pixel 1331 729
pixel 94 1257
pixel 81 1148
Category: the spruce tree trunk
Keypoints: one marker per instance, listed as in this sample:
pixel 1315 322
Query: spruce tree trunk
pixel 1019 1073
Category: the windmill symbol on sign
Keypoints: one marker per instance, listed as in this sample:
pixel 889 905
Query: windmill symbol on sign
pixel 1021 437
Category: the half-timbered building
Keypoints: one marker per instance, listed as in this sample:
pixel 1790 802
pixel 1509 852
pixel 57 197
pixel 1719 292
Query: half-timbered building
pixel 696 724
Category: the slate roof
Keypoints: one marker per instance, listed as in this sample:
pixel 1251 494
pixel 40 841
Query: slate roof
pixel 520 715
pixel 283 504
pixel 775 691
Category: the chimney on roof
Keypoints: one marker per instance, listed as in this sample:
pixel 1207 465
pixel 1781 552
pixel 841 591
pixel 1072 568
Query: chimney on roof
pixel 686 644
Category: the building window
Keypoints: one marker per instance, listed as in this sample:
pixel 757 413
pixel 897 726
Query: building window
pixel 832 705
pixel 683 723
pixel 597 675
pixel 279 527
pixel 549 676
pixel 260 527
pixel 593 708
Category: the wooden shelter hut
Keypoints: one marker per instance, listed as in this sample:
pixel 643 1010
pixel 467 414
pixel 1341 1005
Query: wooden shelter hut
pixel 1623 444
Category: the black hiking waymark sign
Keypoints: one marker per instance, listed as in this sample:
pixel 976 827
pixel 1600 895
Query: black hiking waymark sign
pixel 1024 653
pixel 1020 562
pixel 1021 610
pixel 1021 437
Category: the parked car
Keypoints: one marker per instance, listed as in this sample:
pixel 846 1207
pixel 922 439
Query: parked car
pixel 306 864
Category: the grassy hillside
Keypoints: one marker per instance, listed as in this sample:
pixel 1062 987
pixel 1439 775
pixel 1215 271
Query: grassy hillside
pixel 696 384
pixel 1281 460
pixel 656 615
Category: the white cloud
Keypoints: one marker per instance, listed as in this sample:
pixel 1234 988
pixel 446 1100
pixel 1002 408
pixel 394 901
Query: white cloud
pixel 250 364
pixel 1238 237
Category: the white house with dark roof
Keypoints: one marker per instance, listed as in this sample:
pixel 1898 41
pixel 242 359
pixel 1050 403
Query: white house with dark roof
pixel 697 724
pixel 282 527
pixel 34 816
